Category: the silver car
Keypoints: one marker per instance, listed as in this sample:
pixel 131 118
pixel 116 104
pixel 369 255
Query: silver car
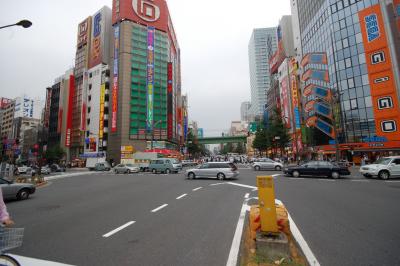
pixel 384 168
pixel 219 170
pixel 20 191
pixel 126 168
pixel 266 164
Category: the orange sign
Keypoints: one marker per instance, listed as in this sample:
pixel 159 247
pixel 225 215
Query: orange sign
pixel 396 6
pixel 383 87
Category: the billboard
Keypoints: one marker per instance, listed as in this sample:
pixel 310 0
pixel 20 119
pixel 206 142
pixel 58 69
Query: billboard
pixel 101 116
pixel 396 6
pixel 169 102
pixel 150 78
pixel 381 78
pixel 314 58
pixel 97 40
pixel 69 112
pixel 115 81
pixel 146 12
pixel 200 133
pixel 284 91
pixel 47 108
pixel 83 32
pixel 4 102
pixel 316 74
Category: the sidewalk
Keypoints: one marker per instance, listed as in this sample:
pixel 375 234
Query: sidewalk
pixel 25 261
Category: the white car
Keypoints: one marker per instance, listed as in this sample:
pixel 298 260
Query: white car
pixel 219 170
pixel 266 164
pixel 384 168
pixel 126 168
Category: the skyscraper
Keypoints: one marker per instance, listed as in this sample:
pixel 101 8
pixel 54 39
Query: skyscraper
pixel 146 82
pixel 358 39
pixel 259 67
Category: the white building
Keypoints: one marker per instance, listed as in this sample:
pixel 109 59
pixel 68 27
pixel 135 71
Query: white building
pixel 259 67
pixel 28 107
pixel 245 114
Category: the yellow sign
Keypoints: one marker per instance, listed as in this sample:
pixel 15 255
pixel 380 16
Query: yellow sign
pixel 127 149
pixel 101 119
pixel 266 198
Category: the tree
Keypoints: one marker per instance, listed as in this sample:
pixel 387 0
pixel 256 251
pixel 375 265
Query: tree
pixel 240 148
pixel 261 141
pixel 277 132
pixel 54 154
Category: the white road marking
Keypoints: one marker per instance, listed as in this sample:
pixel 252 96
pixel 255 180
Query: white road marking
pixel 255 189
pixel 181 196
pixel 195 189
pixel 118 229
pixel 159 208
pixel 234 252
pixel 359 180
pixel 247 195
pixel 393 181
pixel 312 260
pixel 275 175
pixel 216 184
pixel 241 185
pixel 323 179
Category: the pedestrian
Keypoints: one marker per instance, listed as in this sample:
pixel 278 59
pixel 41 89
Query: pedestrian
pixel 4 216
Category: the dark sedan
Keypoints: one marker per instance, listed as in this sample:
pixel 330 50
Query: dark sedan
pixel 317 168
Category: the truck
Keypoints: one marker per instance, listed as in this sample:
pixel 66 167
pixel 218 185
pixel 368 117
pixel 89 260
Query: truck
pixel 143 159
pixel 91 162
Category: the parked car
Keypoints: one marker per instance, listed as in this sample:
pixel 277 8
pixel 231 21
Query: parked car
pixel 57 168
pixel 165 165
pixel 24 170
pixel 45 170
pixel 317 168
pixel 104 166
pixel 126 168
pixel 20 191
pixel 384 168
pixel 266 164
pixel 188 163
pixel 219 170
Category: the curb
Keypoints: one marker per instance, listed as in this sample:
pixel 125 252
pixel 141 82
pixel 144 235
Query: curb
pixel 67 175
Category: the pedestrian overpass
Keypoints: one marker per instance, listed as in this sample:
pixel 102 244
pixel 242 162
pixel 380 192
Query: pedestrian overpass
pixel 220 140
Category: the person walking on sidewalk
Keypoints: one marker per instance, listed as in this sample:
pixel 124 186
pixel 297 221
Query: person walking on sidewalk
pixel 4 216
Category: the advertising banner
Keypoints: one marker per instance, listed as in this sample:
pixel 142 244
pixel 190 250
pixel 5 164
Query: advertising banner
pixel 83 32
pixel 97 40
pixel 70 108
pixel 379 64
pixel 316 74
pixel 314 58
pixel 47 108
pixel 295 101
pixel 101 117
pixel 169 102
pixel 115 81
pixel 145 12
pixel 150 78
pixel 284 91
pixel 4 102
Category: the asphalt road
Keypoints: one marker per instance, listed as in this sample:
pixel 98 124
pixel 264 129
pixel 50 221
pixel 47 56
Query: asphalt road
pixel 352 221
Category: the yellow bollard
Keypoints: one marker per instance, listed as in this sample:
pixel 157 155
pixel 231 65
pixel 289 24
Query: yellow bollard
pixel 266 200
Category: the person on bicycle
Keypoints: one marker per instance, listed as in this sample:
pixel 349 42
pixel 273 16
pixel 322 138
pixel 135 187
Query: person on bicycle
pixel 4 216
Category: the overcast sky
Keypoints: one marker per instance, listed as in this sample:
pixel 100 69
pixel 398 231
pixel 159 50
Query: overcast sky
pixel 213 36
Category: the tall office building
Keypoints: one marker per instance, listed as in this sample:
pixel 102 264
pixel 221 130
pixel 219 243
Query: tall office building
pixel 361 43
pixel 259 67
pixel 146 81
pixel 245 114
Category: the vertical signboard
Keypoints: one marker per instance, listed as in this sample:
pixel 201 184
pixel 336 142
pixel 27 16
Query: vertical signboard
pixel 101 116
pixel 381 78
pixel 69 113
pixel 396 6
pixel 47 108
pixel 83 33
pixel 115 80
pixel 169 102
pixel 96 49
pixel 285 101
pixel 150 78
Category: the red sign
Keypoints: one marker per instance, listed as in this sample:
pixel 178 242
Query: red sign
pixel 277 58
pixel 83 32
pixel 70 107
pixel 146 12
pixel 381 78
pixel 4 102
pixel 169 101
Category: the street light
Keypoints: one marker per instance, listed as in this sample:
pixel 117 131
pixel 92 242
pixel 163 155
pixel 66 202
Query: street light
pixel 23 23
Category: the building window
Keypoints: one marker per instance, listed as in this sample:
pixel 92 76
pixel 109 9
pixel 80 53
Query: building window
pixel 353 104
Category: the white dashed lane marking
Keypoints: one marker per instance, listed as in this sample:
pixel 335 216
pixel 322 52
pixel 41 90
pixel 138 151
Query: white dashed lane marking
pixel 159 208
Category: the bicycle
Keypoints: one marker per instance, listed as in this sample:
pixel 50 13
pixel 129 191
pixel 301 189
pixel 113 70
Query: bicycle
pixel 9 238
